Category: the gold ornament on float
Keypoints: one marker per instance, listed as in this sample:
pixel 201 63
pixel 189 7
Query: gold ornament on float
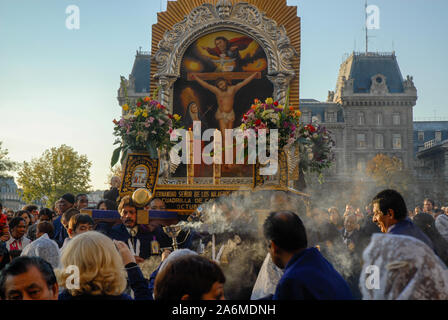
pixel 141 197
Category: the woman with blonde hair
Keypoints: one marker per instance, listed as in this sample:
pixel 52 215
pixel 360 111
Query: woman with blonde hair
pixel 103 265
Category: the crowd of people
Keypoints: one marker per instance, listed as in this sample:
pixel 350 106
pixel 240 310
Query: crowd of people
pixel 311 253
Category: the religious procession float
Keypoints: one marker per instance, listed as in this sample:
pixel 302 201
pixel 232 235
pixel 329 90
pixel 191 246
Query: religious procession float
pixel 221 65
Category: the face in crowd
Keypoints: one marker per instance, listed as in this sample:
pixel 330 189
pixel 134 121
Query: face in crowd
pixel 44 217
pixel 32 284
pixel 83 202
pixel 427 206
pixel 350 223
pixel 83 227
pixel 383 220
pixel 19 231
pixel 26 217
pixel 63 205
pixel 157 204
pixel 129 216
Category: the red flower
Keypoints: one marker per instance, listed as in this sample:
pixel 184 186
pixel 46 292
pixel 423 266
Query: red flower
pixel 170 116
pixel 139 104
pixel 276 103
pixel 258 122
pixel 310 128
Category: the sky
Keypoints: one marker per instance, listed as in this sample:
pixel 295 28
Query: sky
pixel 59 86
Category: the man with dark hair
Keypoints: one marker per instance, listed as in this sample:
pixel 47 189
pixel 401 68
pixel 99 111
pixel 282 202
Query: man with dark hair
pixel 66 202
pixel 44 227
pixel 113 193
pixel 78 223
pixel 81 201
pixel 106 204
pixel 18 240
pixel 190 277
pixel 45 214
pixel 428 205
pixel 43 246
pixel 307 274
pixel 134 235
pixel 390 214
pixel 424 218
pixel 33 209
pixel 28 278
pixel 157 204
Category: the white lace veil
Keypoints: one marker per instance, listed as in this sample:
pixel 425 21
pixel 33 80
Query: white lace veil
pixel 45 248
pixel 442 225
pixel 267 279
pixel 408 270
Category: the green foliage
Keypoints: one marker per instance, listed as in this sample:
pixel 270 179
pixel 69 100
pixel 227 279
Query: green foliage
pixel 57 171
pixel 6 165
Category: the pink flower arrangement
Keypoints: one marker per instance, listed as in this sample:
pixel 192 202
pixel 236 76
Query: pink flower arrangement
pixel 138 129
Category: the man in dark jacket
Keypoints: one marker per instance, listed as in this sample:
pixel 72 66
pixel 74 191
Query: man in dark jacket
pixel 390 214
pixel 134 235
pixel 307 274
pixel 66 202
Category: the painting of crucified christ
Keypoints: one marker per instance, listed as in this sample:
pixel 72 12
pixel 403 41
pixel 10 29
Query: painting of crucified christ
pixel 225 96
pixel 221 74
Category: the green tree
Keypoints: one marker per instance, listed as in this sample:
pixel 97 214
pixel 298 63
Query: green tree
pixel 389 172
pixel 57 171
pixel 6 165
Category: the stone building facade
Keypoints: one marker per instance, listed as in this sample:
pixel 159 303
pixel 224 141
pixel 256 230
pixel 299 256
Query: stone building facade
pixel 431 166
pixel 10 195
pixel 370 112
pixel 138 82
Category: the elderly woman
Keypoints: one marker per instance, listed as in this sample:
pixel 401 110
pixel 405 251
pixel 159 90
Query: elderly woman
pixel 408 270
pixel 102 265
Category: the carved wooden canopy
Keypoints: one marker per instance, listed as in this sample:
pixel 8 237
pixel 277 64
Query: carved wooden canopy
pixel 273 24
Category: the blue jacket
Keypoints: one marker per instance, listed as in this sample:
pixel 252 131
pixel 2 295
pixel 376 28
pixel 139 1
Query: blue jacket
pixel 59 232
pixel 407 228
pixel 309 276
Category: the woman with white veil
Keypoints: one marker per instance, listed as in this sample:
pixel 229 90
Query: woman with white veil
pixel 407 270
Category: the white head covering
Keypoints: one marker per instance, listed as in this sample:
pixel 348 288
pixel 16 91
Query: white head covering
pixel 45 248
pixel 267 279
pixel 176 254
pixel 442 225
pixel 408 270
